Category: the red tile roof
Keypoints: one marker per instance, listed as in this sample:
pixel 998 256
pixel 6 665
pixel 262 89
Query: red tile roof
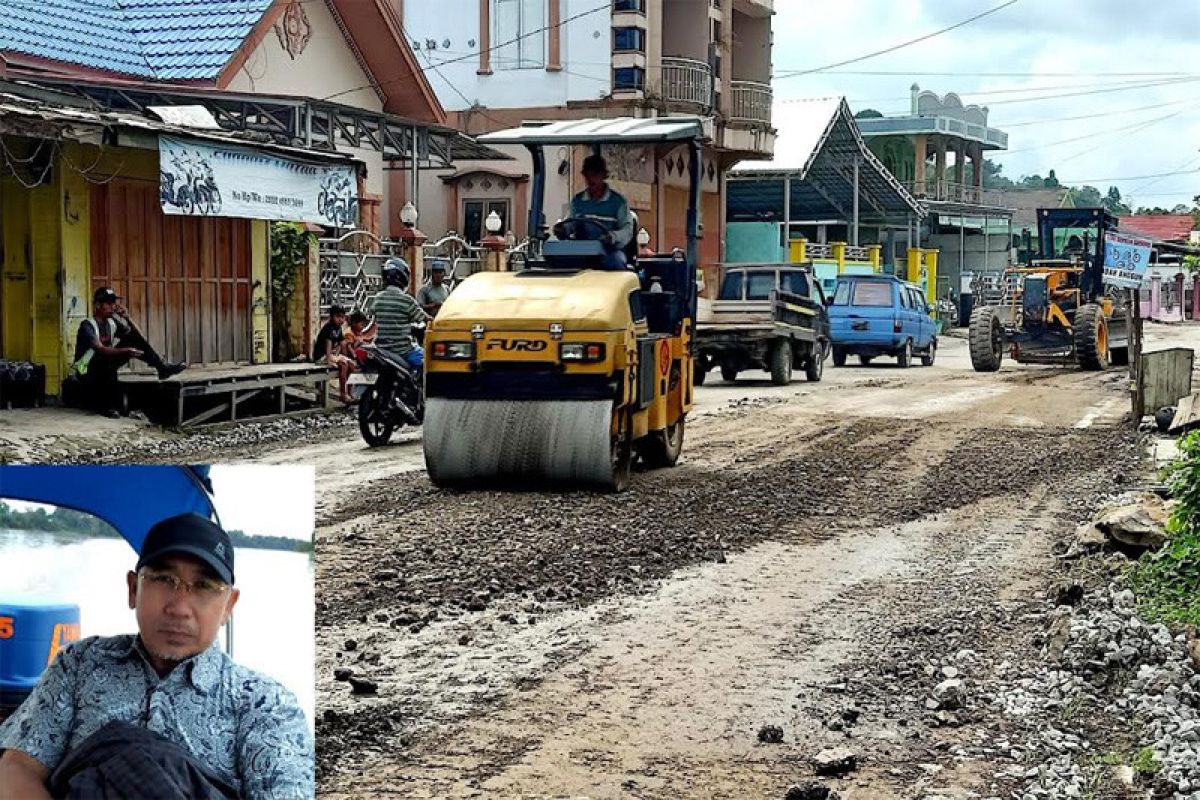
pixel 1160 227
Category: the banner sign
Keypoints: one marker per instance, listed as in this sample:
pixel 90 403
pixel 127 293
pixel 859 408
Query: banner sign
pixel 215 180
pixel 1125 260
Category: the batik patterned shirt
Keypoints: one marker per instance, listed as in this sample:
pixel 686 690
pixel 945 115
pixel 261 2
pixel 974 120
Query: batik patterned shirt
pixel 248 729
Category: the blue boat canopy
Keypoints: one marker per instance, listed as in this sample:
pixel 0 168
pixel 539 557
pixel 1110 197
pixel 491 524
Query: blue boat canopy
pixel 129 498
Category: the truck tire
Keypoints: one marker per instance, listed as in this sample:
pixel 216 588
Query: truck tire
pixel 986 337
pixel 839 357
pixel 728 373
pixel 865 360
pixel 781 363
pixel 1091 337
pixel 904 358
pixel 814 367
pixel 929 355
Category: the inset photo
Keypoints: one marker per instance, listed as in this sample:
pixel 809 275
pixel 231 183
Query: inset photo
pixel 156 631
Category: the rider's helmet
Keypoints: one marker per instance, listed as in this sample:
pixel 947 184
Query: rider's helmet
pixel 396 273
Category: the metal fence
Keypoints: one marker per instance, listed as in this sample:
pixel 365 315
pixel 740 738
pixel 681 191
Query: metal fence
pixel 750 101
pixel 350 269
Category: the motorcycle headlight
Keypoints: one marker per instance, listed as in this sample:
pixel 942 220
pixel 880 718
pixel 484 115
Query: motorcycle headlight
pixel 454 351
pixel 581 351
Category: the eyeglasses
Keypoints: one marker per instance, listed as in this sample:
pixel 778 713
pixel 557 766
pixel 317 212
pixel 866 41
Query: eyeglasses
pixel 202 589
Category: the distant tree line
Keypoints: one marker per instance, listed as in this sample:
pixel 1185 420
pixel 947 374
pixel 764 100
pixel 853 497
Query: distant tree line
pixel 77 523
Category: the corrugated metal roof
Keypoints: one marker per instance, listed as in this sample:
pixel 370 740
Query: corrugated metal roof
pixel 816 148
pixel 801 126
pixel 619 130
pixel 157 39
pixel 1159 227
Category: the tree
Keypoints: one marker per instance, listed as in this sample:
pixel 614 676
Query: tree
pixel 1086 197
pixel 1032 182
pixel 868 113
pixel 1051 181
pixel 1113 203
pixel 992 179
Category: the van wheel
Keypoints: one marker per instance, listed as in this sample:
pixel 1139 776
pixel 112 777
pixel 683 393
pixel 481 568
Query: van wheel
pixel 728 374
pixel 781 363
pixel 929 355
pixel 839 357
pixel 905 358
pixel 865 360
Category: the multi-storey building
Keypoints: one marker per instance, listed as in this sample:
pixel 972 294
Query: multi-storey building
pixel 495 63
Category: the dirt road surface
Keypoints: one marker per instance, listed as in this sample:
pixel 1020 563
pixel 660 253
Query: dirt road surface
pixel 818 554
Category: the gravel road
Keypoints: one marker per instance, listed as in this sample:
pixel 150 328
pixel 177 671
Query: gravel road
pixel 820 557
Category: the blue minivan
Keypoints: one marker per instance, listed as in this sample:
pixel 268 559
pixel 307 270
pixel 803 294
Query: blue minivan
pixel 880 315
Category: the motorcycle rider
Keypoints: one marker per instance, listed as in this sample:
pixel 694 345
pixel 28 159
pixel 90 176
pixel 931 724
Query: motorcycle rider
pixel 396 312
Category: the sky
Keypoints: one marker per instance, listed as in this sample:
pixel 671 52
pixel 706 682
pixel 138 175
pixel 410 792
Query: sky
pixel 1083 41
pixel 265 500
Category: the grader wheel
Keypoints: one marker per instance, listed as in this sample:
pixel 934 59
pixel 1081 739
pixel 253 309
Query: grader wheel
pixel 986 336
pixel 1091 337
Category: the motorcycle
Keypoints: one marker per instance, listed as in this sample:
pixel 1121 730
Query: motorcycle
pixel 394 400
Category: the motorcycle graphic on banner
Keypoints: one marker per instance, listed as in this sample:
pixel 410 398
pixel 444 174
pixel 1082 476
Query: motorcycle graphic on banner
pixel 210 180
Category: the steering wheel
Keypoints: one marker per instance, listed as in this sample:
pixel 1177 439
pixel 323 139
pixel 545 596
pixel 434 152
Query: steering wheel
pixel 571 226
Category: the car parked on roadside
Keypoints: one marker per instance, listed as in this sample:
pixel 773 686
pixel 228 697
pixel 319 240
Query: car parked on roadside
pixel 880 315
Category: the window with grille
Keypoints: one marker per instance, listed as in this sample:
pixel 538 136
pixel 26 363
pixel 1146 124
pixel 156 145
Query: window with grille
pixel 519 34
pixel 629 5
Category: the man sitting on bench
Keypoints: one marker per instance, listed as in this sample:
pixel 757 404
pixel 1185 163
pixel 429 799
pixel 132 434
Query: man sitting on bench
pixel 105 342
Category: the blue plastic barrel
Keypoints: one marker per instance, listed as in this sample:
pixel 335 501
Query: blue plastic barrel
pixel 31 635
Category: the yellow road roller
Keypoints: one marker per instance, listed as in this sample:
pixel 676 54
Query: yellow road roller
pixel 560 371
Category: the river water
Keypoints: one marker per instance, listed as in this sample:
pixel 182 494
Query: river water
pixel 273 620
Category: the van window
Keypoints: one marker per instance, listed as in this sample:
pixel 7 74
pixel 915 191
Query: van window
pixel 841 295
pixel 917 299
pixel 796 283
pixel 760 285
pixel 731 286
pixel 872 293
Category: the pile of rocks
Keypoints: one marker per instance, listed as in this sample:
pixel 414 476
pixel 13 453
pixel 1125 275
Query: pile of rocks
pixel 1106 642
pixel 203 443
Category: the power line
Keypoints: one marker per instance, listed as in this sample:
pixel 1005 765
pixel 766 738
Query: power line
pixel 910 73
pixel 1114 112
pixel 1139 125
pixel 900 46
pixel 1083 181
pixel 493 48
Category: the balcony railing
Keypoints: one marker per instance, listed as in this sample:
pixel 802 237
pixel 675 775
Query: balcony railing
pixel 750 102
pixel 685 80
pixel 948 192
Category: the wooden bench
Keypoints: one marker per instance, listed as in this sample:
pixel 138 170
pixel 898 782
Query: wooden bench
pixel 222 394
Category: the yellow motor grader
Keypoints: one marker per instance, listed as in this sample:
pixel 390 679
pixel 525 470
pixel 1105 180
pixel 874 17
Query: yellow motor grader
pixel 1057 309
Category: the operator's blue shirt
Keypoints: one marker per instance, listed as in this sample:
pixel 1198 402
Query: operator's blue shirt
pixel 610 209
pixel 245 727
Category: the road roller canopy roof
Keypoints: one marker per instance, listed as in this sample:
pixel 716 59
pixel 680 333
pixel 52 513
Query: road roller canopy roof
pixel 619 130
pixel 587 300
pixel 129 498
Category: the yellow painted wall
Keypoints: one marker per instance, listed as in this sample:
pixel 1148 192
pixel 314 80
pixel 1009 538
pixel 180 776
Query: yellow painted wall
pixel 76 248
pixel 260 272
pixel 46 249
pixel 16 280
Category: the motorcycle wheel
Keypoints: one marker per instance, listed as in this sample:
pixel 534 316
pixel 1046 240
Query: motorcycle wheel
pixel 373 422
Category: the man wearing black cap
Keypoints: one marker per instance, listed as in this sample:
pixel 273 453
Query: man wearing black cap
pixel 207 719
pixel 608 211
pixel 104 343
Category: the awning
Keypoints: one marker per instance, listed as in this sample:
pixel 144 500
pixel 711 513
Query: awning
pixel 618 130
pixel 129 498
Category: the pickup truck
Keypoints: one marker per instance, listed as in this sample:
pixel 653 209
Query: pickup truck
pixel 766 316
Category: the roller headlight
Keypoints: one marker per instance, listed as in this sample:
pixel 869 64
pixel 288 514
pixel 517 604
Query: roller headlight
pixel 584 352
